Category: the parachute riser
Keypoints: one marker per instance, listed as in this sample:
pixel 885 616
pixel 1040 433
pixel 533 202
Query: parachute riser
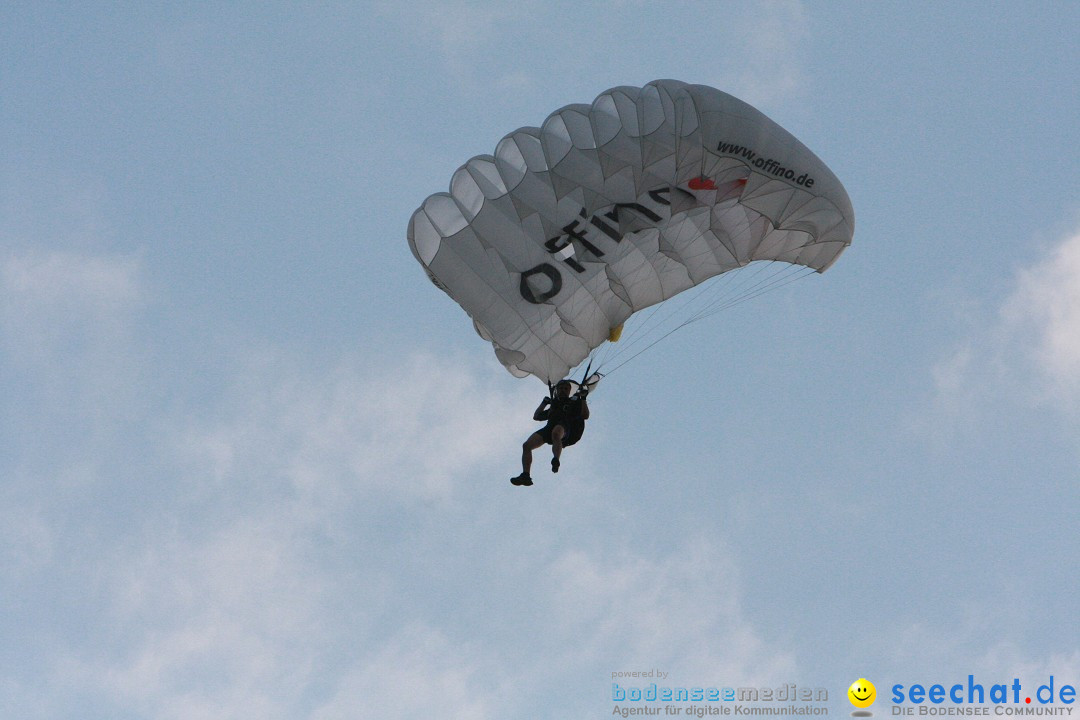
pixel 585 375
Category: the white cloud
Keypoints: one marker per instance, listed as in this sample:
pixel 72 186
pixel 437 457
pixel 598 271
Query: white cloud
pixel 1045 308
pixel 1029 350
pixel 409 431
pixel 328 540
pixel 71 365
pixel 418 673
pixel 26 540
pixel 680 612
pixel 225 626
pixel 238 601
pixel 580 616
pixel 58 306
pixel 224 605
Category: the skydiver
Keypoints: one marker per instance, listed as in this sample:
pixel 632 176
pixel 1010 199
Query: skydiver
pixel 565 416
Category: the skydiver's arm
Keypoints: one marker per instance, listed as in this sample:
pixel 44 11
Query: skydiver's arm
pixel 584 408
pixel 542 410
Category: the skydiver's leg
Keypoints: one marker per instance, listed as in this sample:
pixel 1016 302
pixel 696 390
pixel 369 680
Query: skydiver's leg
pixel 534 441
pixel 557 434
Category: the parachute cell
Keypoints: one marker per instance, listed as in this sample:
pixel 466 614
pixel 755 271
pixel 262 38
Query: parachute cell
pixel 570 228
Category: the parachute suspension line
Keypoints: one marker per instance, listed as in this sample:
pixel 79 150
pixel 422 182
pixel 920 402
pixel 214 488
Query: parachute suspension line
pixel 673 308
pixel 779 278
pixel 774 283
pixel 608 351
pixel 734 293
pixel 686 305
pixel 655 321
pixel 632 336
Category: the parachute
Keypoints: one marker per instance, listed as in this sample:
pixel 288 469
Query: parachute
pixel 553 242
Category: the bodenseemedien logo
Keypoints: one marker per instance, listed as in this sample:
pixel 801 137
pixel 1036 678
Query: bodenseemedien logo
pixel 699 701
pixel 862 694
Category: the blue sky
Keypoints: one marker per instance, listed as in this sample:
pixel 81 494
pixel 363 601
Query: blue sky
pixel 252 464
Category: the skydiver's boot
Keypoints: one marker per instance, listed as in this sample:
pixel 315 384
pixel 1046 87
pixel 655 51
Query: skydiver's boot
pixel 522 479
pixel 554 464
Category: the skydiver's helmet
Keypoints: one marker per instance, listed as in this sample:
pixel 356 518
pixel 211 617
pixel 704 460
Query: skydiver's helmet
pixel 564 383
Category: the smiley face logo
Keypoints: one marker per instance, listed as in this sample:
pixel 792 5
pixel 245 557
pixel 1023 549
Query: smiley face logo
pixel 862 693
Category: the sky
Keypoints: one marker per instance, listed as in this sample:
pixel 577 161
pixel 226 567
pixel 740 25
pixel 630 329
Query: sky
pixel 252 464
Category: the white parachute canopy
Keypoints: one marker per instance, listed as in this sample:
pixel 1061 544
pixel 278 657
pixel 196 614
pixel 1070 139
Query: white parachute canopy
pixel 570 228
